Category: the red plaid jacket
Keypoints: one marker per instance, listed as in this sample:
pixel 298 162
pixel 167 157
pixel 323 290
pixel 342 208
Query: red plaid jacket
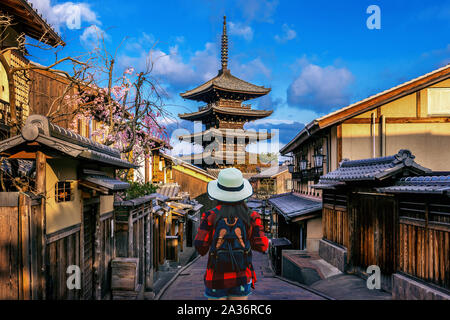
pixel 203 239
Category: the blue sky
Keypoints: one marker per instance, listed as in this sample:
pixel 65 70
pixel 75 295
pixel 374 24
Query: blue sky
pixel 316 56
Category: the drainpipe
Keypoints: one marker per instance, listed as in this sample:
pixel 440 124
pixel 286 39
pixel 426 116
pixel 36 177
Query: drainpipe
pixel 373 135
pixel 383 136
pixel 328 154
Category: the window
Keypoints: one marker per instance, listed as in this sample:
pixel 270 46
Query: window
pixel 438 101
pixel 63 191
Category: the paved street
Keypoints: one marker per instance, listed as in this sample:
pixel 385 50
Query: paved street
pixel 189 284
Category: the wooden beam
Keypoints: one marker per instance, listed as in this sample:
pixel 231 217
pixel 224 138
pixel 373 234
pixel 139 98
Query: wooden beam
pixel 25 288
pixel 418 105
pixel 339 143
pixel 400 120
pixel 41 180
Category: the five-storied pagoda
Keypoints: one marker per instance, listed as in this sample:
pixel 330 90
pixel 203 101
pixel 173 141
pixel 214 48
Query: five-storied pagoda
pixel 224 139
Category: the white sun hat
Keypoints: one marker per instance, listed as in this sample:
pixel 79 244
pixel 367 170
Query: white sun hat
pixel 230 186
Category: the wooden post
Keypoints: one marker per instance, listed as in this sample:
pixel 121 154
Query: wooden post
pixel 41 163
pixel 148 251
pixel 147 168
pixel 130 236
pixel 181 233
pixel 96 262
pixel 162 239
pixel 25 287
pixel 156 242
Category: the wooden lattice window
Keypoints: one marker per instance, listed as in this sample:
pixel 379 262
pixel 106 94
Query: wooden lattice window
pixel 63 191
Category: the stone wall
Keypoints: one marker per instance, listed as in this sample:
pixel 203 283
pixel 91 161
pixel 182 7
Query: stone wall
pixel 333 254
pixel 406 288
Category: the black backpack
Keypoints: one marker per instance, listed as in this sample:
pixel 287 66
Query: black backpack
pixel 230 249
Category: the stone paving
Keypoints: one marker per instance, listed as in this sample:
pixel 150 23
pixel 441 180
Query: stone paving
pixel 189 284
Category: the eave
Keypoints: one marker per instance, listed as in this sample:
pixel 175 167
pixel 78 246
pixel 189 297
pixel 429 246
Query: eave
pixel 34 25
pixel 208 111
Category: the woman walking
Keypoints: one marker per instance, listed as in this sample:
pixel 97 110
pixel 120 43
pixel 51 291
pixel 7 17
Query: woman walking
pixel 230 232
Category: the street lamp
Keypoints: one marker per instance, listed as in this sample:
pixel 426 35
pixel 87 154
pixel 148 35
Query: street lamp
pixel 291 167
pixel 303 164
pixel 318 160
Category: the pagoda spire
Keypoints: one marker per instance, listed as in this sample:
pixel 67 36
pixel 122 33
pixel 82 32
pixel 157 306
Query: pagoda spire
pixel 224 45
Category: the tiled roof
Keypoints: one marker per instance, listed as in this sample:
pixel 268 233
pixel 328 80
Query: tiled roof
pixel 277 242
pixel 212 108
pixel 212 133
pixel 371 169
pixel 169 190
pixel 270 172
pixel 420 184
pixel 292 206
pixel 137 201
pixel 38 128
pixel 254 203
pixel 226 81
pixel 107 182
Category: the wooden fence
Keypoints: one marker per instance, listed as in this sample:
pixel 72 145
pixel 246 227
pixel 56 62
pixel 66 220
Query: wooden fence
pixel 364 224
pixel 63 250
pixel 133 221
pixel 335 218
pixel 21 247
pixel 425 240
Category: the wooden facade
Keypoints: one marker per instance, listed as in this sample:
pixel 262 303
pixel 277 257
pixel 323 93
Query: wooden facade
pixel 135 233
pixel 66 214
pixel 399 223
pixel 424 238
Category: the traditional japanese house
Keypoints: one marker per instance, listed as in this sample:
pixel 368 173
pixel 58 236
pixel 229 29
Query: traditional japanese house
pixel 224 139
pixel 271 181
pixel 188 177
pixel 14 86
pixel 297 218
pixel 414 115
pixel 382 212
pixel 56 214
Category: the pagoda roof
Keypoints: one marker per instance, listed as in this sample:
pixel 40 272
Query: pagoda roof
pixel 212 108
pixel 219 156
pixel 225 82
pixel 237 133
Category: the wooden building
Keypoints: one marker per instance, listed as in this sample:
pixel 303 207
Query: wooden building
pixel 190 178
pixel 297 218
pixel 56 211
pixel 383 212
pixel 414 115
pixel 15 86
pixel 271 181
pixel 224 139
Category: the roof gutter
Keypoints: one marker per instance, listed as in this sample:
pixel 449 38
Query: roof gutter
pixel 309 130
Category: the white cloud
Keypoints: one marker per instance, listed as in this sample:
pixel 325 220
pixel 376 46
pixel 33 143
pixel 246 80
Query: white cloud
pixel 169 65
pixel 241 30
pixel 251 69
pixel 320 88
pixel 260 10
pixel 288 34
pixel 91 37
pixel 67 14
